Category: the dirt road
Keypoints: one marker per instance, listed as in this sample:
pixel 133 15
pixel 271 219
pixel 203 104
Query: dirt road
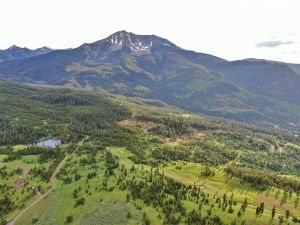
pixel 53 185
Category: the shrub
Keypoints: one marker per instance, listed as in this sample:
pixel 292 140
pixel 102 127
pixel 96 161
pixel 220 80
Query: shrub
pixel 69 219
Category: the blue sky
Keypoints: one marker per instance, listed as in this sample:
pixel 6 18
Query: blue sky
pixel 232 29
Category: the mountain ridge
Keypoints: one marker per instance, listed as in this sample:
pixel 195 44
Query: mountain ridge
pixel 15 52
pixel 255 91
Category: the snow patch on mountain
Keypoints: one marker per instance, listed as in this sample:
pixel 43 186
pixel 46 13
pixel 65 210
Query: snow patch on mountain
pixel 136 42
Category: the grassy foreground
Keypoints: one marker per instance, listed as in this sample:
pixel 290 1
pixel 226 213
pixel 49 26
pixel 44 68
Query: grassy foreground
pixel 109 204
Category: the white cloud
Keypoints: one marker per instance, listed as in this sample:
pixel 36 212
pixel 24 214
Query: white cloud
pixel 226 28
pixel 273 44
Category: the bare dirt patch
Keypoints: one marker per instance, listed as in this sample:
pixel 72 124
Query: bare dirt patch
pixel 277 148
pixel 21 179
pixel 133 122
pixel 20 182
pixel 183 139
pixel 273 202
pixel 146 126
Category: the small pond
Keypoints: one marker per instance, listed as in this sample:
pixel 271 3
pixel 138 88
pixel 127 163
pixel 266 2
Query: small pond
pixel 51 143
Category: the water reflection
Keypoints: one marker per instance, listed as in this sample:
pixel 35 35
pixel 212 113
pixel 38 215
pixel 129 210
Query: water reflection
pixel 51 143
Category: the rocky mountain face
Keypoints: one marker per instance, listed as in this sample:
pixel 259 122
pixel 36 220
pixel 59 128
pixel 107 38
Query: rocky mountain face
pixel 256 91
pixel 125 42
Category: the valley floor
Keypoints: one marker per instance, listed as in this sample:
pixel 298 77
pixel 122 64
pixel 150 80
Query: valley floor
pixel 106 199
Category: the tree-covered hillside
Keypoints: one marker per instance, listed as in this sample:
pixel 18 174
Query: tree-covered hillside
pixel 132 161
pixel 255 91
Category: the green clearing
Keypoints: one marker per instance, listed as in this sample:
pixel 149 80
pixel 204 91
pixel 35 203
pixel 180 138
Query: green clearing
pixel 19 147
pixel 60 203
pixel 22 195
pixel 110 207
pixel 219 184
pixel 30 159
pixel 2 157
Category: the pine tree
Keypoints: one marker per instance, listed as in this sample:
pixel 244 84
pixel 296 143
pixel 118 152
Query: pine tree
pixel 262 207
pixel 257 210
pixel 287 213
pixel 273 212
pixel 245 204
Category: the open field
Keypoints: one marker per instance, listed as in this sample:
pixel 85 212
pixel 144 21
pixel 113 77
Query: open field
pixel 219 184
pixel 111 207
pixel 100 206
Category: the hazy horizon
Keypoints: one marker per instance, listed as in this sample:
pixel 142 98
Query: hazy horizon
pixel 228 29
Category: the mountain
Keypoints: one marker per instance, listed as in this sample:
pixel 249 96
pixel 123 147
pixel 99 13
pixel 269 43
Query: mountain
pixel 254 91
pixel 295 67
pixel 15 52
pixel 273 79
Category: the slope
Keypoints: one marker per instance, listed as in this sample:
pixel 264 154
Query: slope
pixel 253 91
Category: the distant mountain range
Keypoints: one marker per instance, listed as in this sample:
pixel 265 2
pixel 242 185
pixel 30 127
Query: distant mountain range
pixel 15 52
pixel 251 90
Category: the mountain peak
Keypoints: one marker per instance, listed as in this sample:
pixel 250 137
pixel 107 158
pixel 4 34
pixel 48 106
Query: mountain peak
pixel 122 33
pixel 124 41
pixel 136 42
pixel 44 49
pixel 14 47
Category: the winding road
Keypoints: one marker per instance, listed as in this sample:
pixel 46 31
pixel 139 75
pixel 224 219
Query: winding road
pixel 53 185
